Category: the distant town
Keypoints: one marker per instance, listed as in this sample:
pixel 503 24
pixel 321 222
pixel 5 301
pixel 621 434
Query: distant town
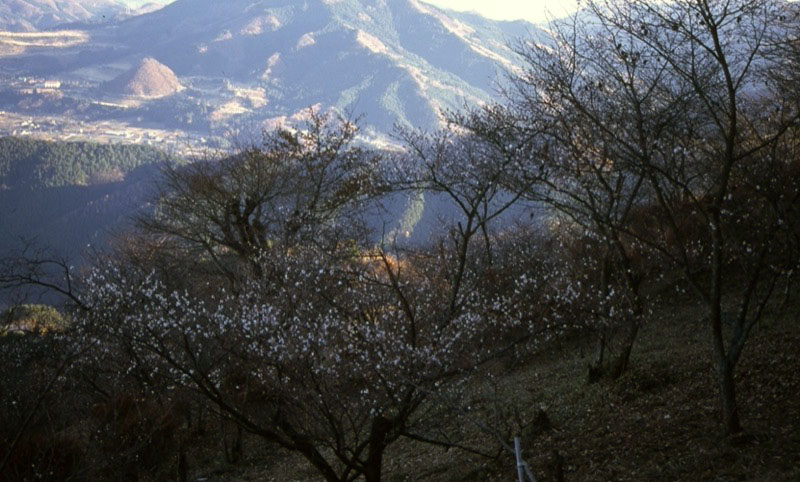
pixel 108 131
pixel 66 128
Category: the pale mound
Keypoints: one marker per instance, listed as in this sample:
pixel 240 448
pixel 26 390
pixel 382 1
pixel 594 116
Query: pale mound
pixel 149 79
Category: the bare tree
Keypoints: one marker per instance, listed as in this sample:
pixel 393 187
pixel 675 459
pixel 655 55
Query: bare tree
pixel 675 112
pixel 333 351
pixel 304 185
pixel 335 359
pixel 468 164
pixel 33 271
pixel 593 102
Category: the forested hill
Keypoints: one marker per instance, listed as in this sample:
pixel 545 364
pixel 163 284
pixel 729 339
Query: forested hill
pixel 68 196
pixel 32 164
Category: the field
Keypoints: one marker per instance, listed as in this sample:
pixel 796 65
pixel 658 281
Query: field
pixel 15 43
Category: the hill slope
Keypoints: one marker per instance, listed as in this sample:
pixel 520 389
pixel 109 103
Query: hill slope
pixel 258 62
pixel 35 164
pixel 149 78
pixel 31 15
pixel 67 195
pixel 658 422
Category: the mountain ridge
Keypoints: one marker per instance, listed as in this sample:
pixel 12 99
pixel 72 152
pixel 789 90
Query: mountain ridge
pixel 33 15
pixel 362 49
pixel 253 64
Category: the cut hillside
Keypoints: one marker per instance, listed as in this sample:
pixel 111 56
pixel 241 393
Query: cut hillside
pixel 150 78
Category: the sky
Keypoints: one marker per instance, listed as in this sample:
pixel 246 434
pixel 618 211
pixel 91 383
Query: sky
pixel 531 10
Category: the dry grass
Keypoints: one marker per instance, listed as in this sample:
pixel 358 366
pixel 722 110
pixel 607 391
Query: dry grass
pixel 661 420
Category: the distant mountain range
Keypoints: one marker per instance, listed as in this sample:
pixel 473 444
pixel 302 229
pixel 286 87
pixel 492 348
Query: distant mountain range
pixel 32 15
pixel 207 69
pixel 258 62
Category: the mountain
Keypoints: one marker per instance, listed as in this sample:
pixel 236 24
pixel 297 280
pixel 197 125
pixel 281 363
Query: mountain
pixel 149 78
pixel 218 73
pixel 253 64
pixel 397 62
pixel 142 8
pixel 32 15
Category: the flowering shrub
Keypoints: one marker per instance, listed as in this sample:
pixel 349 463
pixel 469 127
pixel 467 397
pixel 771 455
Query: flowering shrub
pixel 334 358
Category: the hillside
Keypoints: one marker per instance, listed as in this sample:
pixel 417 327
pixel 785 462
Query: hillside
pixel 248 65
pixel 598 276
pixel 149 78
pixel 658 422
pixel 68 195
pixel 32 15
pixel 35 164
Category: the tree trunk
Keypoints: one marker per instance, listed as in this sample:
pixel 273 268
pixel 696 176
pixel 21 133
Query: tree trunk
pixel 372 471
pixel 183 466
pixel 620 363
pixel 377 445
pixel 596 366
pixel 727 391
pixel 597 369
pixel 723 364
pixel 303 445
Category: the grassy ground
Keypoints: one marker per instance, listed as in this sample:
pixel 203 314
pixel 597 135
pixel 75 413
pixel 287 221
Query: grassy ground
pixel 660 421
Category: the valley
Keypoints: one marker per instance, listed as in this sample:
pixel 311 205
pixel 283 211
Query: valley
pixel 108 132
pixel 200 73
pixel 200 79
